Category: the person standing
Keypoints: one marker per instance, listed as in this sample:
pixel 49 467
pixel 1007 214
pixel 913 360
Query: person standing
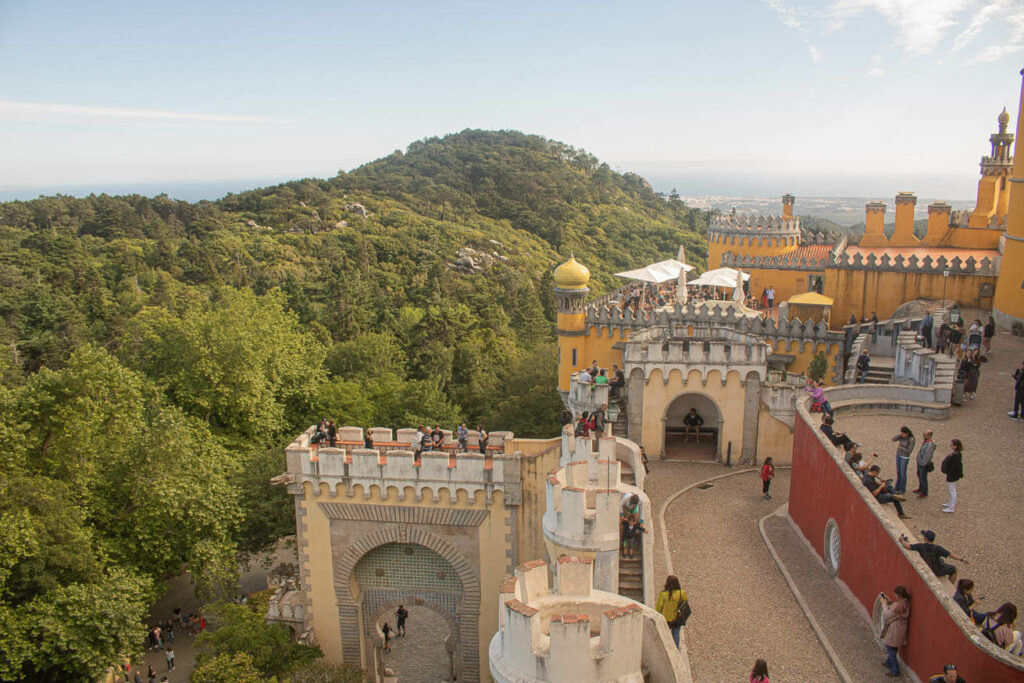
pixel 771 298
pixel 482 439
pixel 767 474
pixel 386 632
pixel 927 322
pixel 169 656
pixel 925 464
pixel 760 672
pixel 953 467
pixel 894 630
pixel 463 434
pixel 988 333
pixel 669 599
pixel 1018 393
pixel 401 614
pixel 903 451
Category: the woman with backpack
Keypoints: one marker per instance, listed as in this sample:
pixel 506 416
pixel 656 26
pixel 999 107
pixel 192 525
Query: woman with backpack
pixel 998 627
pixel 669 600
pixel 767 474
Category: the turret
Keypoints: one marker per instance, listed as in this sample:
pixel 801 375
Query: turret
pixel 571 290
pixel 993 190
pixel 1008 303
pixel 573 632
pixel 874 225
pixel 903 234
pixel 787 205
pixel 938 223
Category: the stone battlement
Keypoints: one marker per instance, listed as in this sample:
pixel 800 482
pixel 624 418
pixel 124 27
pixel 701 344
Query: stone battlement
pixel 348 467
pixel 899 264
pixel 570 632
pixel 709 314
pixel 649 352
pixel 583 505
pixel 756 224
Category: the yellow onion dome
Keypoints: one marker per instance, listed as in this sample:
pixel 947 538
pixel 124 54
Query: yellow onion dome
pixel 571 275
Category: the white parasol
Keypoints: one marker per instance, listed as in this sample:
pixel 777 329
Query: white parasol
pixel 737 292
pixel 720 277
pixel 662 271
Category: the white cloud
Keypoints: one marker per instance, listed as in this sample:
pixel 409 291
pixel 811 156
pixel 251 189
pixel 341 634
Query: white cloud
pixel 1014 19
pixel 38 112
pixel 921 23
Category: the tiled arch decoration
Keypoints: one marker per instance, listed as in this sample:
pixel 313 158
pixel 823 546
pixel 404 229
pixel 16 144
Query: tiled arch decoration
pixel 468 610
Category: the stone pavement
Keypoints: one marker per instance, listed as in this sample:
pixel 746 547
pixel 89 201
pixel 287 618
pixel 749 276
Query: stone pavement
pixel 420 656
pixel 742 607
pixel 842 624
pixel 986 526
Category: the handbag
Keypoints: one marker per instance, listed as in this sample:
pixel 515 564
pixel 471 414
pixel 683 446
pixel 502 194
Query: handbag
pixel 930 467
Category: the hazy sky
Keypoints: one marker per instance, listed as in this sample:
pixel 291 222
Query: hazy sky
pixel 95 93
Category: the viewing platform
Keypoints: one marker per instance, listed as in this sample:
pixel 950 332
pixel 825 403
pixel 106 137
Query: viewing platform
pixel 393 464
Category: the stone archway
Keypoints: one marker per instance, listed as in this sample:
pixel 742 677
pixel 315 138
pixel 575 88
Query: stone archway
pixel 673 441
pixel 416 656
pixel 355 622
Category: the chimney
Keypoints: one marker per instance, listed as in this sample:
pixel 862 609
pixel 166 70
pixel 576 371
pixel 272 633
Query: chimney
pixel 787 205
pixel 874 225
pixel 938 223
pixel 903 235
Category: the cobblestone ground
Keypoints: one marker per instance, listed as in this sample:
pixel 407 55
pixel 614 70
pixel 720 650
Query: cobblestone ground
pixel 742 607
pixel 420 656
pixel 986 526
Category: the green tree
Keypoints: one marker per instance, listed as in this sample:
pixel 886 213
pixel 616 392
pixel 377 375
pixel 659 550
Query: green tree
pixel 322 671
pixel 240 630
pixel 228 667
pixel 818 367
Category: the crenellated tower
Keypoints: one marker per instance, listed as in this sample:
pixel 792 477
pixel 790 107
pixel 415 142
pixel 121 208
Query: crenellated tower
pixel 1008 303
pixel 993 188
pixel 753 234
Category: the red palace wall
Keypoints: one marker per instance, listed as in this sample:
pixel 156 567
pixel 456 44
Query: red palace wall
pixel 873 561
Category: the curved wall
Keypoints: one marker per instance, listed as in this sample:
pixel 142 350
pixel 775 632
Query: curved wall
pixel 823 487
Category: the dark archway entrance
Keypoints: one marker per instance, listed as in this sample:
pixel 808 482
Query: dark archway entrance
pixel 680 447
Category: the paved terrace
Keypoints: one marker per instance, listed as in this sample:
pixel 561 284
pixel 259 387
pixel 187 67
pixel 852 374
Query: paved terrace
pixel 986 526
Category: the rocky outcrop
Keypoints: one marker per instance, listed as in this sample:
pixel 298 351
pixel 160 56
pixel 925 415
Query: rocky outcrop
pixel 356 208
pixel 469 261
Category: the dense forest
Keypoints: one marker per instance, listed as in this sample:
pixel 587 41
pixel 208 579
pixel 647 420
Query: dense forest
pixel 159 354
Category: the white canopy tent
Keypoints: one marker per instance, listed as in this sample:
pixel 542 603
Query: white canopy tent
pixel 659 272
pixel 719 277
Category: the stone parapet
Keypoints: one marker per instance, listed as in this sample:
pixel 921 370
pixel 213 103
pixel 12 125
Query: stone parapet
pixel 349 468
pixel 650 351
pixel 586 396
pixel 783 262
pixel 572 632
pixel 970 266
pixel 754 224
pixel 923 367
pixel 715 318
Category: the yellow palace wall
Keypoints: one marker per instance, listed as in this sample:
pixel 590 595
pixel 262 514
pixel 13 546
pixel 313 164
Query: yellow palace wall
pixel 787 283
pixel 718 245
pixel 534 470
pixel 597 344
pixel 659 395
pixel 805 352
pixel 774 439
pixel 320 563
pixel 862 291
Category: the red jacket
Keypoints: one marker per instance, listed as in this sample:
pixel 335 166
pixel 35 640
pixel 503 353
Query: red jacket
pixel 767 472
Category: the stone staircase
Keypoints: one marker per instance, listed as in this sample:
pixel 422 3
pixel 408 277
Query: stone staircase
pixel 880 371
pixel 631 577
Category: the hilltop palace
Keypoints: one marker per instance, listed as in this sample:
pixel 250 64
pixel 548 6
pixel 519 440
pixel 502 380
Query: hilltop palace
pixel 515 551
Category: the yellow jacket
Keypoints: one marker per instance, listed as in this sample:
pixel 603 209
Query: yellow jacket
pixel 668 604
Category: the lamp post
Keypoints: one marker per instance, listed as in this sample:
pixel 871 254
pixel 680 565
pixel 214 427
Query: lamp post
pixel 945 277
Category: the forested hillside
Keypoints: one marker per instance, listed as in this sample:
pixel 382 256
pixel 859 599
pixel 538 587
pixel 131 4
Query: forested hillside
pixel 159 354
